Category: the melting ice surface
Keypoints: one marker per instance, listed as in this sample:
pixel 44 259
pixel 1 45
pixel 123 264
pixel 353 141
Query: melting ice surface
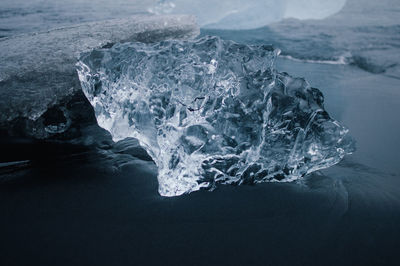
pixel 210 111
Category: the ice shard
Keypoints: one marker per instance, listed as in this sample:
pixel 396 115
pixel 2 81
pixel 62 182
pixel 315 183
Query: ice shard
pixel 37 70
pixel 211 111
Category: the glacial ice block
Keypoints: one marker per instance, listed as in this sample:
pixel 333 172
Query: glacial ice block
pixel 210 111
pixel 37 71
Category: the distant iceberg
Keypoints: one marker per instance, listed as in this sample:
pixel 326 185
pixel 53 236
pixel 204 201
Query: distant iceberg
pixel 210 111
pixel 249 14
pixel 37 71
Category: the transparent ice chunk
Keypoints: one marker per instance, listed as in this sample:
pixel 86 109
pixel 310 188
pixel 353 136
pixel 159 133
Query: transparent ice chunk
pixel 211 111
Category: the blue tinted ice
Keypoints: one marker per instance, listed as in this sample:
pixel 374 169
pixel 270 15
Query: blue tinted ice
pixel 210 111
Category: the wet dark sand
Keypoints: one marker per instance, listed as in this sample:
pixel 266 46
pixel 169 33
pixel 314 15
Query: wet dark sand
pixel 73 205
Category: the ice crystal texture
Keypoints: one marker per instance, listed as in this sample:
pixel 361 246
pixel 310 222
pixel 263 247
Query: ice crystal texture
pixel 211 111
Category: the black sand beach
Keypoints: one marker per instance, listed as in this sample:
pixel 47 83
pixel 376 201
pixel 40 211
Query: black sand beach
pixel 72 206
